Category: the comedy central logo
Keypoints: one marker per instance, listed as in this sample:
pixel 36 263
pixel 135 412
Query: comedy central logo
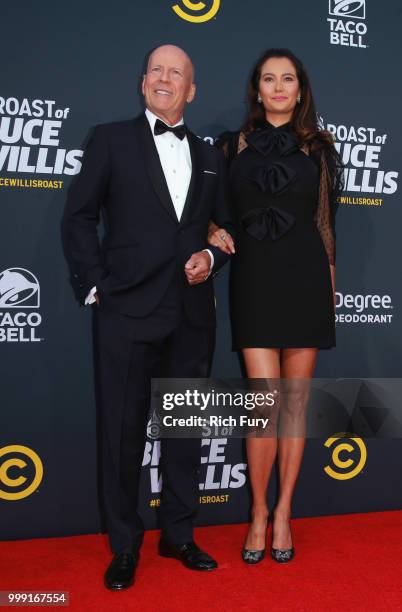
pixel 19 292
pixel 196 8
pixel 349 455
pixel 21 472
pixel 347 8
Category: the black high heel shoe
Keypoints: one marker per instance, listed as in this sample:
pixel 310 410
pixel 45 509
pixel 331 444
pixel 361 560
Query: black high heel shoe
pixel 282 555
pixel 253 556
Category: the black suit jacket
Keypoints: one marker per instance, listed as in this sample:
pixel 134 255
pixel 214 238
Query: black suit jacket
pixel 144 244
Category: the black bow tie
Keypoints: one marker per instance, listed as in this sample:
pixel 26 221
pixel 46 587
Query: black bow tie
pixel 161 128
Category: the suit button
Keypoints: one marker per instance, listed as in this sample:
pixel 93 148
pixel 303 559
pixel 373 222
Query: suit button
pixel 81 286
pixel 75 275
pixel 181 231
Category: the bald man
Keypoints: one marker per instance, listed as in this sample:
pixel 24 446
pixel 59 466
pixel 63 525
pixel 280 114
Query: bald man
pixel 150 285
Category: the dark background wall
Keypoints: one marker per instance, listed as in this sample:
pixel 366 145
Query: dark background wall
pixel 87 57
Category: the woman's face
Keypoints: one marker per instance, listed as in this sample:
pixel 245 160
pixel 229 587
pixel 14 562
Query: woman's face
pixel 279 86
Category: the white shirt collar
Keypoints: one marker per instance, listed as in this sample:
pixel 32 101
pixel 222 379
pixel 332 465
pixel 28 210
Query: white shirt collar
pixel 152 119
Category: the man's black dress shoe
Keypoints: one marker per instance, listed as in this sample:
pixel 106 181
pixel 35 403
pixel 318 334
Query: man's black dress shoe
pixel 120 573
pixel 189 554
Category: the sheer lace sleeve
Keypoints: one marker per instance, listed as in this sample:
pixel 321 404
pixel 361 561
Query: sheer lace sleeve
pixel 331 186
pixel 231 143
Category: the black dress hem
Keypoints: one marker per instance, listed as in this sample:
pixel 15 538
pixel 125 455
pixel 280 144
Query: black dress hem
pixel 283 346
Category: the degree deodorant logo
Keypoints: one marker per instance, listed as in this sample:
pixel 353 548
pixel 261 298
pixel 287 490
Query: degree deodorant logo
pixel 199 10
pixel 359 308
pixel 21 472
pixel 349 455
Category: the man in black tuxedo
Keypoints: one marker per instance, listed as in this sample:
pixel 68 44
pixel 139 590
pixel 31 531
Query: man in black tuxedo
pixel 156 186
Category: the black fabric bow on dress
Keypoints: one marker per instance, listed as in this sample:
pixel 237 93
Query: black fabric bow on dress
pixel 272 221
pixel 263 141
pixel 161 128
pixel 275 177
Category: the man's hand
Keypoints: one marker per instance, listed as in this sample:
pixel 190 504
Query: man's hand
pixel 197 268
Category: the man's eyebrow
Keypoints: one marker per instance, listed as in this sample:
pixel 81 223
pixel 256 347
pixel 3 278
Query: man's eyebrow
pixel 170 68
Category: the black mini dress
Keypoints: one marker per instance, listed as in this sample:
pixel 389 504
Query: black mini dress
pixel 280 286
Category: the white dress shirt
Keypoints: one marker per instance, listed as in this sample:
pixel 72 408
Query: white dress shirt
pixel 175 158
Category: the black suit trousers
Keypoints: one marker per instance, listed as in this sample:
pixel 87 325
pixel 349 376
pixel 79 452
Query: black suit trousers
pixel 131 351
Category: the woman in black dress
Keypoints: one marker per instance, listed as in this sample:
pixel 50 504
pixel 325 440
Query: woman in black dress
pixel 285 176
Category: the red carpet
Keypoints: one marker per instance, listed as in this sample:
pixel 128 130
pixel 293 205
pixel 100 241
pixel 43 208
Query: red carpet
pixel 350 562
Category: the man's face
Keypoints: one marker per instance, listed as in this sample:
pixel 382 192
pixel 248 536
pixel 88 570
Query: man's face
pixel 168 83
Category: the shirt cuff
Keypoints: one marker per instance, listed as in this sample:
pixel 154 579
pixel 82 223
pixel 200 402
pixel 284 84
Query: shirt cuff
pixel 90 299
pixel 212 260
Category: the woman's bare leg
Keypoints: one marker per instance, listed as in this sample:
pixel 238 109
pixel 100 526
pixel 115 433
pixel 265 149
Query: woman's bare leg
pixel 261 452
pixel 295 364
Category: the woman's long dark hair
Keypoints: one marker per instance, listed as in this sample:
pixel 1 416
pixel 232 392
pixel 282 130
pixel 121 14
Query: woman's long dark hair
pixel 304 119
pixel 304 122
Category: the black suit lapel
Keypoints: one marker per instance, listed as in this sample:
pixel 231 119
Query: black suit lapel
pixel 194 188
pixel 154 167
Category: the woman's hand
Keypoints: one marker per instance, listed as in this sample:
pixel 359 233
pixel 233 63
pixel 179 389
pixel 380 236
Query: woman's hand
pixel 220 238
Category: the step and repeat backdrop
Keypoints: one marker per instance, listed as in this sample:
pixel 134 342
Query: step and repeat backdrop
pixel 69 66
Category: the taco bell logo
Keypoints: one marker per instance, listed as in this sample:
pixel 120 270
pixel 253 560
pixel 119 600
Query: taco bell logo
pixel 19 288
pixel 344 30
pixel 341 8
pixel 19 292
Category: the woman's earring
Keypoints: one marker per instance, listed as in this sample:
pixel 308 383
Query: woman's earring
pixel 298 99
pixel 259 99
